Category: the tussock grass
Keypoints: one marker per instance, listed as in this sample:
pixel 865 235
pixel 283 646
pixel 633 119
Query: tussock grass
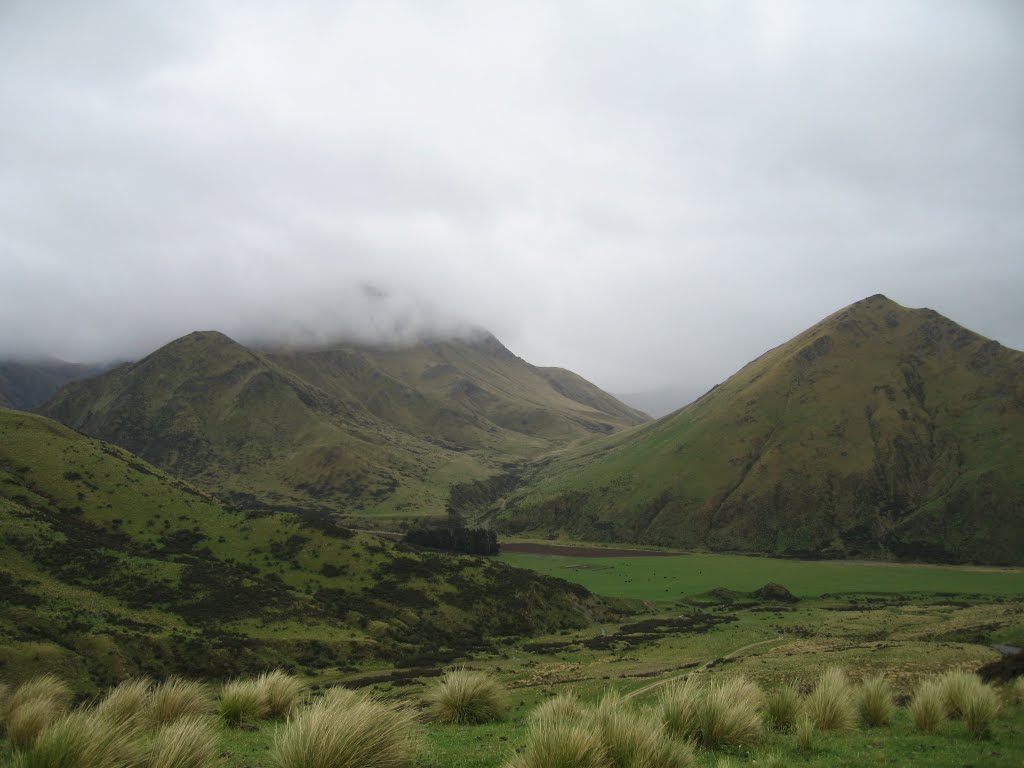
pixel 561 743
pixel 804 732
pixel 241 701
pixel 782 705
pixel 677 707
pixel 876 701
pixel 45 687
pixel 729 714
pixel 1014 691
pixel 174 698
pixel 928 708
pixel 188 742
pixel 564 706
pixel 127 704
pixel 355 732
pixel 832 705
pixel 28 721
pixel 957 686
pixel 340 696
pixel 81 740
pixel 462 696
pixel 281 692
pixel 979 709
pixel 636 739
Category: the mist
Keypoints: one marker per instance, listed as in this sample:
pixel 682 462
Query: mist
pixel 648 195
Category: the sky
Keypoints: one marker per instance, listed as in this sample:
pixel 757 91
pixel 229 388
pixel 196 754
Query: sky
pixel 648 193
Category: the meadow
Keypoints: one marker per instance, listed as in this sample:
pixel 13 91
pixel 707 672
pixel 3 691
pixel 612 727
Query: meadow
pixel 698 619
pixel 664 578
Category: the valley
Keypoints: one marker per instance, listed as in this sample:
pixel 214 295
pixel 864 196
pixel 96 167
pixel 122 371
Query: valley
pixel 851 498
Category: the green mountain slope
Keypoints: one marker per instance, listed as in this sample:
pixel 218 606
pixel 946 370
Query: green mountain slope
pixel 880 432
pixel 110 567
pixel 25 385
pixel 347 427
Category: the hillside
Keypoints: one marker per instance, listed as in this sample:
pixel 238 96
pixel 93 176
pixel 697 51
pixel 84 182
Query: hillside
pixel 365 430
pixel 880 432
pixel 109 567
pixel 27 384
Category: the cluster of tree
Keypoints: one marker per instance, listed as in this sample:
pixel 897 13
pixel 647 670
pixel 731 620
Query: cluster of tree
pixel 455 537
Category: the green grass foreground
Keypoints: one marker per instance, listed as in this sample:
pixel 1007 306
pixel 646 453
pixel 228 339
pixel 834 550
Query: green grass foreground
pixel 666 578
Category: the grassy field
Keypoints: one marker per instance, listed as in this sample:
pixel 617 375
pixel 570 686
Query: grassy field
pixel 667 578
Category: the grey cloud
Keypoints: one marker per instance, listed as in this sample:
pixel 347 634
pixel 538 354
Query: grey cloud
pixel 649 194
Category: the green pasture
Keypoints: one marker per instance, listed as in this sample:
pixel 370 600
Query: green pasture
pixel 669 577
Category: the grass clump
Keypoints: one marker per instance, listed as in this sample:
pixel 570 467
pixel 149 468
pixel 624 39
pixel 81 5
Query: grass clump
pixel 81 740
pixel 831 705
pixel 979 709
pixel 343 732
pixel 28 721
pixel 188 742
pixel 782 705
pixel 804 732
pixel 928 708
pixel 564 706
pixel 241 701
pixel 636 740
pixel 677 707
pixel 561 743
pixel 876 701
pixel 175 698
pixel 729 714
pixel 1014 691
pixel 462 696
pixel 47 688
pixel 127 704
pixel 280 693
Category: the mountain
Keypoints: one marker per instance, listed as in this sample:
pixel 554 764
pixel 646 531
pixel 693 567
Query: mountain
pixel 367 430
pixel 27 384
pixel 109 567
pixel 880 432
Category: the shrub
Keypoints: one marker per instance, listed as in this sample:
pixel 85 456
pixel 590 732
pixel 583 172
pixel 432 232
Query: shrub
pixel 782 705
pixel 876 701
pixel 174 698
pixel 635 740
pixel 357 732
pixel 280 692
pixel 804 731
pixel 831 705
pixel 677 706
pixel 240 701
pixel 927 708
pixel 979 708
pixel 81 740
pixel 729 713
pixel 467 697
pixel 564 706
pixel 127 704
pixel 46 687
pixel 561 743
pixel 28 721
pixel 188 742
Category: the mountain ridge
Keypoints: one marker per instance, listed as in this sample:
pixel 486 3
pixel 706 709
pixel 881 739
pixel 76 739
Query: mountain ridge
pixel 887 431
pixel 338 427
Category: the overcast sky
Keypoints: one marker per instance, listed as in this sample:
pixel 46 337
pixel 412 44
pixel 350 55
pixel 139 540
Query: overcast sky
pixel 648 193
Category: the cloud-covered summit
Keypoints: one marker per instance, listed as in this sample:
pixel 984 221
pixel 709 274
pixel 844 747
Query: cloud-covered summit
pixel 644 194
